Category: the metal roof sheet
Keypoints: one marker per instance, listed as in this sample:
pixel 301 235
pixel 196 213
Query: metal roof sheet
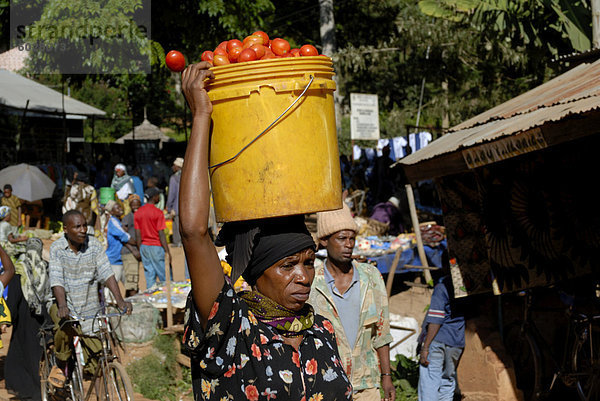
pixel 573 92
pixel 16 90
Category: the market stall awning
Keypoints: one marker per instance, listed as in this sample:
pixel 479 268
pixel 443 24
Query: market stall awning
pixel 18 93
pixel 523 124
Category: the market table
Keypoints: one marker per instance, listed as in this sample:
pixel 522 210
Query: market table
pixel 410 257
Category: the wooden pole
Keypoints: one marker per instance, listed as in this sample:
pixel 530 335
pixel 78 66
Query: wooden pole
pixel 392 272
pixel 595 24
pixel 168 291
pixel 416 227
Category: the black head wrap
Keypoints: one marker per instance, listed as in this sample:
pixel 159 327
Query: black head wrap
pixel 254 246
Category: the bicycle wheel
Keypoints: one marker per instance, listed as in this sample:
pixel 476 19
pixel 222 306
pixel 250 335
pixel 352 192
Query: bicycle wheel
pixel 76 383
pixel 586 365
pixel 46 363
pixel 526 357
pixel 117 386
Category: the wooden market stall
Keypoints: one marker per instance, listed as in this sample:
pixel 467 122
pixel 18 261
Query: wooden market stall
pixel 516 187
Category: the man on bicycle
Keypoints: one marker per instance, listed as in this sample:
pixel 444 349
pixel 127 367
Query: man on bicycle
pixel 77 264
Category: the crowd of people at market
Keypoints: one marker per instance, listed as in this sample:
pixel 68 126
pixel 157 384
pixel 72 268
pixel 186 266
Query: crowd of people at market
pixel 302 328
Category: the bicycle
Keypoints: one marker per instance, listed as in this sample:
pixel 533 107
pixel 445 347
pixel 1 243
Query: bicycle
pixel 579 366
pixel 110 380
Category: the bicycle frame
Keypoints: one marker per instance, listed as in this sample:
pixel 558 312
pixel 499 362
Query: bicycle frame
pixel 578 331
pixel 107 365
pixel 107 352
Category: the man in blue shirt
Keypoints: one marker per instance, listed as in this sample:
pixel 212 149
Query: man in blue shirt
pixel 116 238
pixel 443 344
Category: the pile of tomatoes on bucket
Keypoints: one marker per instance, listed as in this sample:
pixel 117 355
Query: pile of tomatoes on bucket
pixel 257 46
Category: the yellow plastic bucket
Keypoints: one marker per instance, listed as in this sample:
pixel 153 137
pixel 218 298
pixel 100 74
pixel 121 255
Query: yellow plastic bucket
pixel 293 167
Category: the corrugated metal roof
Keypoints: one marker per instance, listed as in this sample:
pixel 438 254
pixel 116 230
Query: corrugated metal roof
pixel 16 90
pixel 574 92
pixel 13 59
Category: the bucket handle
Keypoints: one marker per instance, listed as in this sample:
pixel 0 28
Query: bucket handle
pixel 215 166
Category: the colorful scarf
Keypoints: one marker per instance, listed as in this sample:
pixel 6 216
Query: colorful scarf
pixel 118 182
pixel 287 322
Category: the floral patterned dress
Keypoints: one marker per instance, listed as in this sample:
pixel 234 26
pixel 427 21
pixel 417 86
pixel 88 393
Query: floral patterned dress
pixel 240 358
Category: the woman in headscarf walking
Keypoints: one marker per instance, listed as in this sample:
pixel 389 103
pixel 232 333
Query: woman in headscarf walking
pixel 122 183
pixel 262 344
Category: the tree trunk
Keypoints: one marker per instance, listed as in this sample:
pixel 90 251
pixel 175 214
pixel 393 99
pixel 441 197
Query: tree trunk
pixel 327 30
pixel 445 116
pixel 595 24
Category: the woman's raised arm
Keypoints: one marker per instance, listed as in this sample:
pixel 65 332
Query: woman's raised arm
pixel 205 269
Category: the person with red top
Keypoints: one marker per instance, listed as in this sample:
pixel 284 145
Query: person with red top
pixel 149 224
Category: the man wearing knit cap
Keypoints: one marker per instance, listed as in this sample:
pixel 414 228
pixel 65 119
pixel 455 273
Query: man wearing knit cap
pixel 353 297
pixel 173 199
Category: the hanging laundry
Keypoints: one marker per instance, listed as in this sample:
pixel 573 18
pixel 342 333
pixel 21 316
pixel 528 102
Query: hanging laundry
pixel 419 140
pixel 398 147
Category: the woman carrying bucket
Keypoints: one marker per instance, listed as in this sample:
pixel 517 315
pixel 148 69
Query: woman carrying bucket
pixel 266 343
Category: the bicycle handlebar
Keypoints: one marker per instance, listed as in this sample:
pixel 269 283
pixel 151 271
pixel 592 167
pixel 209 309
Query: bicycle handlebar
pixel 76 317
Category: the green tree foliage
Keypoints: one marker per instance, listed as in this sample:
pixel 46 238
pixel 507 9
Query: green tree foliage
pixel 472 54
pixel 90 36
pixel 550 25
pixel 4 15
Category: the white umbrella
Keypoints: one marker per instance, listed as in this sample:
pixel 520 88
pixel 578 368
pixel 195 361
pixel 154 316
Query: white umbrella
pixel 28 182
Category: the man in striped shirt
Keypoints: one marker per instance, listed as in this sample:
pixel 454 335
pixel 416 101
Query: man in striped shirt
pixel 77 264
pixel 443 341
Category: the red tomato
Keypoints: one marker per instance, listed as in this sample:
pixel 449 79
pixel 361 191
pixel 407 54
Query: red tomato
pixel 233 43
pixel 247 55
pixel 295 52
pixel 268 56
pixel 234 53
pixel 280 46
pixel 223 45
pixel 260 50
pixel 221 51
pixel 175 61
pixel 264 36
pixel 220 59
pixel 252 40
pixel 288 55
pixel 309 50
pixel 207 55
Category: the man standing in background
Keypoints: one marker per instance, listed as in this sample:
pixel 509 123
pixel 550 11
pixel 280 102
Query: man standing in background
pixel 116 238
pixel 149 223
pixel 173 199
pixel 353 297
pixel 130 253
pixel 442 343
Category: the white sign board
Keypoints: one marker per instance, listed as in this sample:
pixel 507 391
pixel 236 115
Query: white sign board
pixel 364 117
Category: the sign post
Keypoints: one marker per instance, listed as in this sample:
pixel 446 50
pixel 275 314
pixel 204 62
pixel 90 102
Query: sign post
pixel 364 117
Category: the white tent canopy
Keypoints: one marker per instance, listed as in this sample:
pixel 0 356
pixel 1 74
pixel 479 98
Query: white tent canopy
pixel 16 91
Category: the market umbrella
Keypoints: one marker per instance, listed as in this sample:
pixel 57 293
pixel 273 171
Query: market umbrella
pixel 28 182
